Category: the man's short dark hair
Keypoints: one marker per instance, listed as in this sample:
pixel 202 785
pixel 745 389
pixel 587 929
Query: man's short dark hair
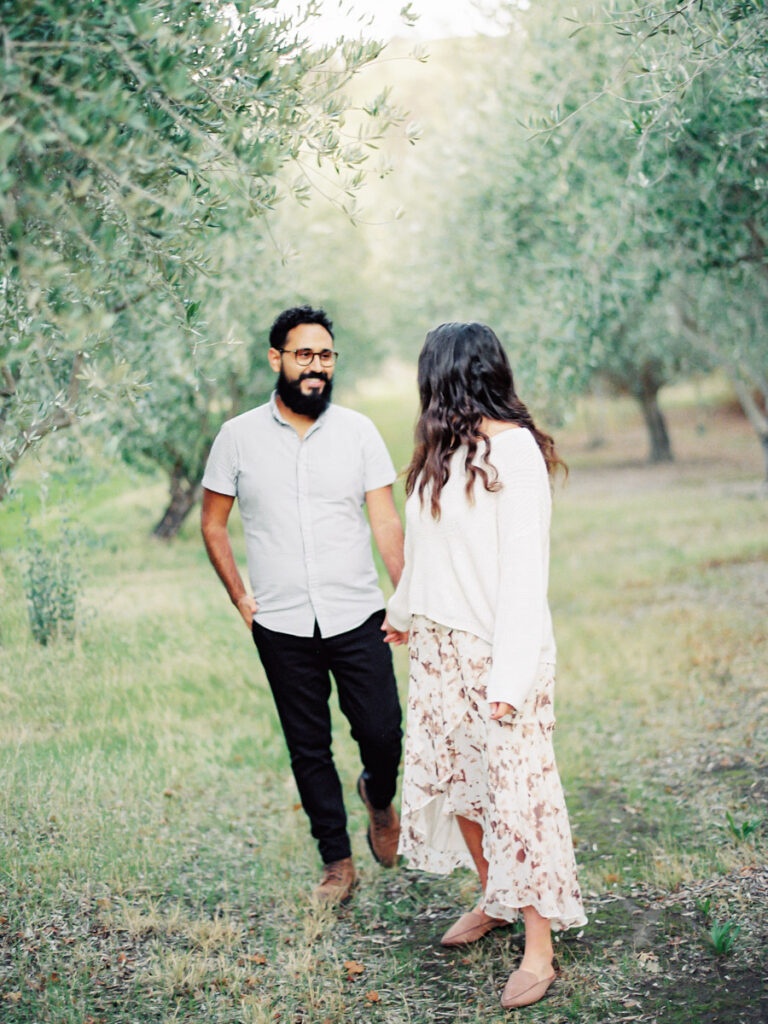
pixel 291 318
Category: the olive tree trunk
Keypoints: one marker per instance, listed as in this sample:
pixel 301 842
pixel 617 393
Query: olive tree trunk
pixel 660 449
pixel 184 495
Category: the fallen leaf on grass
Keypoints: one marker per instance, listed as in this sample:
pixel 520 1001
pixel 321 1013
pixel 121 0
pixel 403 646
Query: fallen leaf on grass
pixel 354 966
pixel 372 996
pixel 257 958
pixel 649 962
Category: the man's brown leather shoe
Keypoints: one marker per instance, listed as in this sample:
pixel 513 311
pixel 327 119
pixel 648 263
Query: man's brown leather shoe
pixel 339 879
pixel 383 830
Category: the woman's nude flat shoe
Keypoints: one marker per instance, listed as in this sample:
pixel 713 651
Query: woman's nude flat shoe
pixel 469 928
pixel 524 988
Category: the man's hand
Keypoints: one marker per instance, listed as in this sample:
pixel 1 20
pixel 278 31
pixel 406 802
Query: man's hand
pixel 393 636
pixel 216 509
pixel 499 708
pixel 247 608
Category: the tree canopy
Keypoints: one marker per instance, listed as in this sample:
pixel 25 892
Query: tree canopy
pixel 604 204
pixel 695 89
pixel 132 132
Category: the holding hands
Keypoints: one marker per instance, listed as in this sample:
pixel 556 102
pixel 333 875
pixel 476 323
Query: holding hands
pixel 393 636
pixel 499 708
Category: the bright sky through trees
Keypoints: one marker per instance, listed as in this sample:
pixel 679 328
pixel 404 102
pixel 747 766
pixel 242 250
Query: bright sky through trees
pixel 381 19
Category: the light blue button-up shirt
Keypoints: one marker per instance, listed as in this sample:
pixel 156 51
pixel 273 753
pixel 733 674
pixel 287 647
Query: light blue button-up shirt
pixel 301 501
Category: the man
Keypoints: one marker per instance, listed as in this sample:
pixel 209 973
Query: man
pixel 301 470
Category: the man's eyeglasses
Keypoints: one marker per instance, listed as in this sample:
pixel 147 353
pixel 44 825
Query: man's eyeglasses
pixel 306 356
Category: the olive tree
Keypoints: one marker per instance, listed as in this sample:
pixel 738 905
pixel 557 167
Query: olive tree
pixel 693 81
pixel 132 135
pixel 546 237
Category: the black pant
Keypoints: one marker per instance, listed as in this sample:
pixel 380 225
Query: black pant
pixel 298 670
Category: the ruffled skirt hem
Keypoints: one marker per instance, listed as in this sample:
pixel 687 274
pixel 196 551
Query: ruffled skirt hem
pixel 500 774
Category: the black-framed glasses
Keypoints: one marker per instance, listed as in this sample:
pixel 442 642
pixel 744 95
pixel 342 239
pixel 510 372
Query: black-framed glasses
pixel 306 356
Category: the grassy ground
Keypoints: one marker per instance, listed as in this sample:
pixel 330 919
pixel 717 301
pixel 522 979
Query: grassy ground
pixel 155 864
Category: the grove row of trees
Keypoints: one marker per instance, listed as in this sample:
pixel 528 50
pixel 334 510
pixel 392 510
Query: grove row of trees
pixel 611 204
pixel 597 191
pixel 142 146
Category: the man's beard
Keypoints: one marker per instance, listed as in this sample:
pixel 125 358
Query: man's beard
pixel 311 405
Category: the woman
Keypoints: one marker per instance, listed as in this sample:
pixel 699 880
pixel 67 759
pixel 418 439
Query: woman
pixel 481 786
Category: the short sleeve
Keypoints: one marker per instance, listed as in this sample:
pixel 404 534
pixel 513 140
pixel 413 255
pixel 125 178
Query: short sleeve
pixel 378 469
pixel 221 470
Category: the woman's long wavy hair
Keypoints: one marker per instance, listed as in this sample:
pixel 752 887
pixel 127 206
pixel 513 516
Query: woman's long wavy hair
pixel 464 375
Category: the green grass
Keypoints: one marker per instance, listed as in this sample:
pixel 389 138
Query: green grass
pixel 154 864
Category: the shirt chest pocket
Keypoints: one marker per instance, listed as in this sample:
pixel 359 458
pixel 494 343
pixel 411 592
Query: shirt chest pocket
pixel 336 480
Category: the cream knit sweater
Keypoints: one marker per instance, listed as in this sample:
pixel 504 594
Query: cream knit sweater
pixel 483 566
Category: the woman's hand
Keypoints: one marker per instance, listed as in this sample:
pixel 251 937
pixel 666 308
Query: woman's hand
pixel 393 636
pixel 499 708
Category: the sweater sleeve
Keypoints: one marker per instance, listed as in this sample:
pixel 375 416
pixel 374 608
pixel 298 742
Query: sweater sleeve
pixel 522 585
pixel 398 606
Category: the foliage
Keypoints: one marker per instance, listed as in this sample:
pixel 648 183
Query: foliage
pixel 744 829
pixel 132 134
pixel 624 235
pixel 722 936
pixel 675 55
pixel 51 585
pixel 704 906
pixel 693 87
pixel 171 425
pixel 564 259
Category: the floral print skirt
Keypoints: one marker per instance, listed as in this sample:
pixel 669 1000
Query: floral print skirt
pixel 501 774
